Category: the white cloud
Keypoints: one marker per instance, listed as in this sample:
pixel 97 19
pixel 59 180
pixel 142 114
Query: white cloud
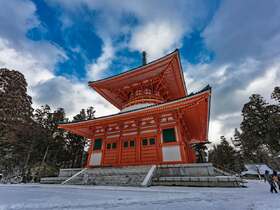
pixel 215 130
pixel 263 85
pixel 156 38
pixel 232 84
pixel 16 17
pixel 244 29
pixel 96 69
pixel 223 125
pixel 37 60
pixel 158 27
pixel 25 62
pixel 47 88
pixel 244 36
pixel 71 95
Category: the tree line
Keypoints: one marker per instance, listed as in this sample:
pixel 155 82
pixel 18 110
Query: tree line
pixel 258 138
pixel 31 145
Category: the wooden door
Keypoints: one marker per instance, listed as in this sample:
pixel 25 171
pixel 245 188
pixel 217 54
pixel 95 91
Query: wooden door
pixel 128 154
pixel 110 153
pixel 149 153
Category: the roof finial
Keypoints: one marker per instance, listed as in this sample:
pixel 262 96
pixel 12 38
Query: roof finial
pixel 144 58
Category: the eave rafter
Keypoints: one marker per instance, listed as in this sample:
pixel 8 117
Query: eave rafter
pixel 122 93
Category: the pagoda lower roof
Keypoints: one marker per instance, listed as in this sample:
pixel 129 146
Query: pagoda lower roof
pixel 195 110
pixel 167 69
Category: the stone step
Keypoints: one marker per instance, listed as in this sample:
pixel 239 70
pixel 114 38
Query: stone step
pixel 198 174
pixel 203 181
pixel 106 171
pixel 196 169
pixel 123 176
pixel 199 179
pixel 52 180
pixel 68 172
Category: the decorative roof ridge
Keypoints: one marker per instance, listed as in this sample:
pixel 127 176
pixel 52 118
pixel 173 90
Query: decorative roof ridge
pixel 206 88
pixel 136 68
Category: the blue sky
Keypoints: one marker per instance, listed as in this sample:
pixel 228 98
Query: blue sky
pixel 82 44
pixel 59 45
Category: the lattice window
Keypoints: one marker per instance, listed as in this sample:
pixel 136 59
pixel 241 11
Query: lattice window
pixel 152 141
pixel 144 142
pixel 132 143
pixel 169 135
pixel 97 144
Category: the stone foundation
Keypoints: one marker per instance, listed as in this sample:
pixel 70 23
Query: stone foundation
pixel 199 175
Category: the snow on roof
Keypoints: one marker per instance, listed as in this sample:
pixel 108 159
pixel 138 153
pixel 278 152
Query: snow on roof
pixel 255 169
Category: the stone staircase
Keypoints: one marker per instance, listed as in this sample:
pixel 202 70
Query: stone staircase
pixel 122 176
pixel 200 175
pixel 194 175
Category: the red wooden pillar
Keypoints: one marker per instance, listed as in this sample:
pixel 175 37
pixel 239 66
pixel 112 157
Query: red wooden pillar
pixel 158 139
pixel 182 144
pixel 103 145
pixel 179 135
pixel 138 143
pixel 120 125
pixel 185 137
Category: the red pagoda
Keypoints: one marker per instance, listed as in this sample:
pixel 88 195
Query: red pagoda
pixel 158 122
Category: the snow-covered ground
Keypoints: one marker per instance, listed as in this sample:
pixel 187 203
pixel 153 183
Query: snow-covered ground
pixel 26 196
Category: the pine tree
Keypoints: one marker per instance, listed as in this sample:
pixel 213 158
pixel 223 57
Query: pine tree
pixel 15 121
pixel 276 94
pixel 225 156
pixel 237 139
pixel 260 129
pixel 76 144
pixel 254 127
pixel 54 142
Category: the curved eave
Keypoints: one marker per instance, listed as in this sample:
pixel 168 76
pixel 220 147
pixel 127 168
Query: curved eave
pixel 134 69
pixel 100 85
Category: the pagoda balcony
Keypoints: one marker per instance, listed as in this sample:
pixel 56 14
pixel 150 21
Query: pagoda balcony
pixel 144 99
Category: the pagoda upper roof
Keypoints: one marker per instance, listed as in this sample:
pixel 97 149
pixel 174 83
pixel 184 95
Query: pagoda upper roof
pixel 167 71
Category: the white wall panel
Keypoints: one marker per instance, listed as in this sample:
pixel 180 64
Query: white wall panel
pixel 171 153
pixel 95 159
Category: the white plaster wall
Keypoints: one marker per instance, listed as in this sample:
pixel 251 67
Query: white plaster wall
pixel 95 159
pixel 129 134
pixel 136 106
pixel 171 153
pixel 149 131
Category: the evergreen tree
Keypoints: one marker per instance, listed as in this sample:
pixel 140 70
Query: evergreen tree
pixel 76 144
pixel 225 156
pixel 53 144
pixel 200 150
pixel 237 139
pixel 254 127
pixel 31 142
pixel 276 94
pixel 15 121
pixel 260 129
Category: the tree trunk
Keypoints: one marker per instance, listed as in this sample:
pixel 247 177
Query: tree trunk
pixel 43 161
